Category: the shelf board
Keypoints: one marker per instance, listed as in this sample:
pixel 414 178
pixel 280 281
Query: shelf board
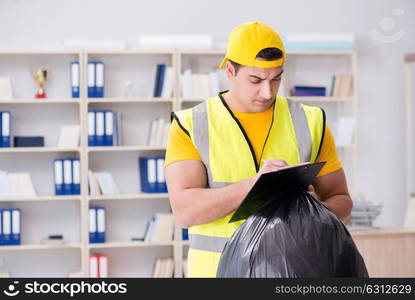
pixel 40 247
pixel 37 149
pixel 129 100
pixel 130 197
pixel 40 101
pixel 321 99
pixel 42 198
pixel 129 245
pixel 124 148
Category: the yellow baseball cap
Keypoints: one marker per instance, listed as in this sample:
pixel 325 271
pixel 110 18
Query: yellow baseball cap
pixel 247 40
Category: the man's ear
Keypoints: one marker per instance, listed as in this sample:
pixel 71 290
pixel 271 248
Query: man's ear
pixel 230 70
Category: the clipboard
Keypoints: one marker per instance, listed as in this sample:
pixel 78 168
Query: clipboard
pixel 268 184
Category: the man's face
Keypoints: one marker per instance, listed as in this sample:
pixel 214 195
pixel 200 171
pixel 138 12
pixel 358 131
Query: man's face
pixel 254 89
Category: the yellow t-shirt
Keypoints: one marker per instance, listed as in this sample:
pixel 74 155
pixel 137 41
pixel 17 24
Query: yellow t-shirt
pixel 256 126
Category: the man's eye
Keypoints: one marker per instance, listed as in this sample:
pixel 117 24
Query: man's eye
pixel 255 82
pixel 277 79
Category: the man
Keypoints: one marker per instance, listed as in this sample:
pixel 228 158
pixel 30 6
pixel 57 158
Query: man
pixel 218 149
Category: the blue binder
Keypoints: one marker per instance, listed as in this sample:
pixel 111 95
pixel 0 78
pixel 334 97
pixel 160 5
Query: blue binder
pixel 92 128
pixel 99 79
pixel 97 224
pixel 76 176
pixel 100 127
pixel 161 181
pixel 148 174
pixel 92 224
pixel 5 129
pixel 58 176
pixel 75 79
pixel 7 226
pixel 16 226
pixel 109 128
pixel 67 177
pixel 91 80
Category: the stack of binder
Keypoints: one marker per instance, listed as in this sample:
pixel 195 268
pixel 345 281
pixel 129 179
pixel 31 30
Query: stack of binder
pixel 10 224
pixel 98 266
pixel 67 175
pixel 97 224
pixel 95 79
pixel 104 128
pixel 75 79
pixel 5 139
pixel 152 175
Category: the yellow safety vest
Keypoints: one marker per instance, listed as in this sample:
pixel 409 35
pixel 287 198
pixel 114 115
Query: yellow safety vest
pixel 295 135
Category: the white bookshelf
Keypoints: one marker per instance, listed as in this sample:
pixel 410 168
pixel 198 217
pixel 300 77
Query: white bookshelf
pixel 127 213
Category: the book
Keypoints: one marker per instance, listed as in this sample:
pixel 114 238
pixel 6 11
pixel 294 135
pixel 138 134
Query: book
pixel 158 133
pixel 301 90
pixel 157 267
pixel 107 184
pixel 5 88
pixel 342 85
pixel 319 41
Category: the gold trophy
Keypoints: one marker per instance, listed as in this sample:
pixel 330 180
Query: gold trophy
pixel 40 77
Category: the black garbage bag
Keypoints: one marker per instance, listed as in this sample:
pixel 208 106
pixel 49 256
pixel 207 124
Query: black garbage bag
pixel 291 235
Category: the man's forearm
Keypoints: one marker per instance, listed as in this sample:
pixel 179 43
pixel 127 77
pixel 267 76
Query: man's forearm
pixel 204 205
pixel 341 206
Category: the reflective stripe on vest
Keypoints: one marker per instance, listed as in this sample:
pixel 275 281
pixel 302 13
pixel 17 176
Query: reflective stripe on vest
pixel 201 139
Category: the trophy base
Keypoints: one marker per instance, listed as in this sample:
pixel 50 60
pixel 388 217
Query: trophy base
pixel 41 96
